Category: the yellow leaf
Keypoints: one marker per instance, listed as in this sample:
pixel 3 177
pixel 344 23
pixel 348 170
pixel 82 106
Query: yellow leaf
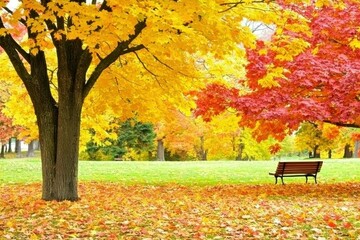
pixel 34 51
pixel 10 224
pixel 355 44
pixel 34 237
pixel 57 36
pixel 263 51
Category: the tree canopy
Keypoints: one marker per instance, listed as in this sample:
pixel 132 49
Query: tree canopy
pixel 61 50
pixel 315 78
pixel 101 60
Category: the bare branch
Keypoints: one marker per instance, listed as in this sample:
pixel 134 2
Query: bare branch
pixel 144 66
pixel 147 69
pixel 341 124
pixel 166 65
pixel 231 5
pixel 121 49
pixel 157 59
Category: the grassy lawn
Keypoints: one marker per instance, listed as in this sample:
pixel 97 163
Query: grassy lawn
pixel 183 173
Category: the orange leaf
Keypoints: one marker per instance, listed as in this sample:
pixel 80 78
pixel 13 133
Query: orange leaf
pixel 331 224
pixel 347 225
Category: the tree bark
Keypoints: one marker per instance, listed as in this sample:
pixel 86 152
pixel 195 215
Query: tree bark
pixel 357 149
pixel 200 151
pixel 18 148
pixel 9 149
pixel 347 151
pixel 316 152
pixel 36 145
pixel 160 150
pixel 240 151
pixel 31 150
pixel 329 153
pixel 59 129
pixel 2 153
pixel 47 137
pixel 66 177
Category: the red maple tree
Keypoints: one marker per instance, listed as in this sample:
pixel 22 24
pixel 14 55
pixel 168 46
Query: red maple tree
pixel 320 84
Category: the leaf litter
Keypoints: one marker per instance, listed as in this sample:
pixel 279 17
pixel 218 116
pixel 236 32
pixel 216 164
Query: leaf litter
pixel 115 211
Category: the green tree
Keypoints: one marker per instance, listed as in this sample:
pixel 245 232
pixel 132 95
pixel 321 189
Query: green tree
pixel 132 136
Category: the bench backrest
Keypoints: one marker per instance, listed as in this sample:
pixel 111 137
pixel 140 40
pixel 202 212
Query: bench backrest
pixel 310 167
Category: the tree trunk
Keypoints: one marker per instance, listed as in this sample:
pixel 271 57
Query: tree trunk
pixel 46 119
pixel 240 151
pixel 59 130
pixel 160 150
pixel 347 151
pixel 316 152
pixel 31 150
pixel 200 151
pixel 36 145
pixel 18 148
pixel 202 155
pixel 10 149
pixel 233 143
pixel 329 153
pixel 357 149
pixel 2 153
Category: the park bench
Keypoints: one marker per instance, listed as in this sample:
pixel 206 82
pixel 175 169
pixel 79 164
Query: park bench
pixel 297 169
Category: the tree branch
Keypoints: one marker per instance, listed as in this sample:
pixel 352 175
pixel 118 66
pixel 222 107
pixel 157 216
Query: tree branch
pixel 11 12
pixel 341 124
pixel 105 6
pixel 232 5
pixel 166 65
pixel 11 49
pixel 11 42
pixel 121 49
pixel 20 50
pixel 144 66
pixel 157 59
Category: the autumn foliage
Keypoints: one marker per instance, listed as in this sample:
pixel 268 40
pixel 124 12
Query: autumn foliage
pixel 301 74
pixel 6 129
pixel 295 211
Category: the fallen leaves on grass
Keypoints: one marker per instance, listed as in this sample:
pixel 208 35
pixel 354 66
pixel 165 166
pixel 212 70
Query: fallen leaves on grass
pixel 114 211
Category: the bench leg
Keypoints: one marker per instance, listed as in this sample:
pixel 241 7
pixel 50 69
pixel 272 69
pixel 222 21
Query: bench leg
pixel 314 176
pixel 282 180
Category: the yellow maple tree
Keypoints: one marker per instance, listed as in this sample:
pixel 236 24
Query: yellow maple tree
pixel 110 44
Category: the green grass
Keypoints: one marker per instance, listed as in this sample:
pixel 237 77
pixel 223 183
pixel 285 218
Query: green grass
pixel 183 173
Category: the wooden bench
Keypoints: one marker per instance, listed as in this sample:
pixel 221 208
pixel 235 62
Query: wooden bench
pixel 297 169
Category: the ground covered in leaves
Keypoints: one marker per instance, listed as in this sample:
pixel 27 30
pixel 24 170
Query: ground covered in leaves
pixel 114 211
